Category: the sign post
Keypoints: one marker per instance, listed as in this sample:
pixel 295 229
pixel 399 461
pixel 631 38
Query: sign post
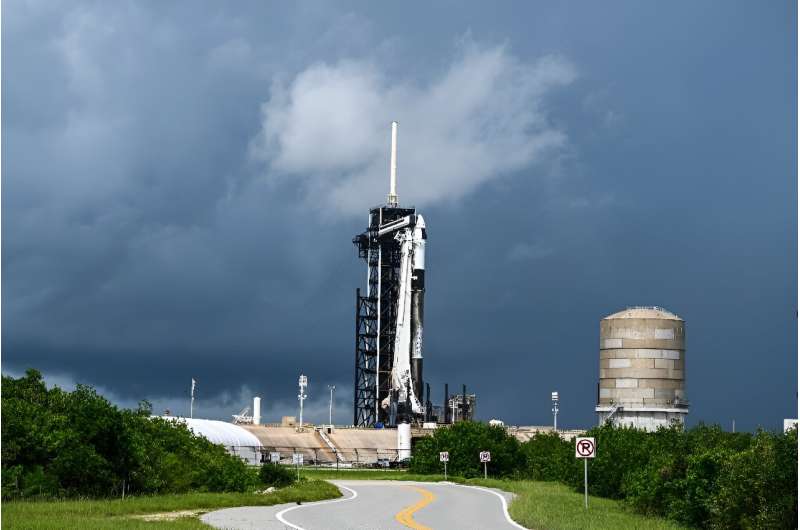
pixel 486 456
pixel 444 457
pixel 297 460
pixel 585 448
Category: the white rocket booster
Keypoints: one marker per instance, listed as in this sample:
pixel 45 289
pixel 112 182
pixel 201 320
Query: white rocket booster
pixel 409 231
pixel 407 366
pixel 417 302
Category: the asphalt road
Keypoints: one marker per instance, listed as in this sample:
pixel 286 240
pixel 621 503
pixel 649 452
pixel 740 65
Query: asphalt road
pixel 380 504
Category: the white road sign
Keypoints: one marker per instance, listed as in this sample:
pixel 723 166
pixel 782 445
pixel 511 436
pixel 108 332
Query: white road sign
pixel 585 448
pixel 444 456
pixel 486 456
pixel 274 457
pixel 297 459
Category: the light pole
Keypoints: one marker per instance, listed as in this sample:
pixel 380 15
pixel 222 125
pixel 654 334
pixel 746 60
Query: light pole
pixel 554 397
pixel 302 383
pixel 191 403
pixel 330 405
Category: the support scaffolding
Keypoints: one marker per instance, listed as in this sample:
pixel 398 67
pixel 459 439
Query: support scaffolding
pixel 376 317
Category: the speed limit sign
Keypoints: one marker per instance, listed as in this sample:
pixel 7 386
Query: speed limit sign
pixel 444 457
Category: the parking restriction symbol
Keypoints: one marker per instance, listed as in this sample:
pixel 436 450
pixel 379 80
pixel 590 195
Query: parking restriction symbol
pixel 486 456
pixel 584 448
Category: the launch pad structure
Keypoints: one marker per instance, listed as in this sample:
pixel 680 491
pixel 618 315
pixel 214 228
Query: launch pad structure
pixel 388 343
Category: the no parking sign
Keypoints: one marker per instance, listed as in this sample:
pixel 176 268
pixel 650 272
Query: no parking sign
pixel 486 456
pixel 585 448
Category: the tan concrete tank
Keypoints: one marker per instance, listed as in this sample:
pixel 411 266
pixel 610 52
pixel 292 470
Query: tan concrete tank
pixel 642 368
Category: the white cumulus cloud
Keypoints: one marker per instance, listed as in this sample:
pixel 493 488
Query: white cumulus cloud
pixel 482 117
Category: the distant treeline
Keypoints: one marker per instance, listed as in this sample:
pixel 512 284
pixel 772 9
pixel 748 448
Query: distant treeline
pixel 63 444
pixel 702 477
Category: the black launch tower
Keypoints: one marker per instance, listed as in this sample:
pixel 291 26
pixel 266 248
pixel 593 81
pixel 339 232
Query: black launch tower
pixel 376 316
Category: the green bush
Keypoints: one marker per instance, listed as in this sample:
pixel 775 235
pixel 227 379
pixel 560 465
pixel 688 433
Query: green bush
pixel 702 477
pixel 276 475
pixel 757 488
pixel 619 452
pixel 548 457
pixel 464 441
pixel 62 444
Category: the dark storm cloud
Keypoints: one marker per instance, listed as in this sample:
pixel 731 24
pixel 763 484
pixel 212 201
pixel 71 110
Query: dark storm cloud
pixel 169 212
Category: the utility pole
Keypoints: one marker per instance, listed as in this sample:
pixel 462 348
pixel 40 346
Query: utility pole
pixel 463 402
pixel 554 398
pixel 302 383
pixel 330 405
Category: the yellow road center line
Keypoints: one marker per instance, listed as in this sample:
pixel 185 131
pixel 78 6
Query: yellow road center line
pixel 406 515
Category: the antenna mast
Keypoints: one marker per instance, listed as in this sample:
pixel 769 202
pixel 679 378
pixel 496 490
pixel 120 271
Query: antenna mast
pixel 302 383
pixel 392 199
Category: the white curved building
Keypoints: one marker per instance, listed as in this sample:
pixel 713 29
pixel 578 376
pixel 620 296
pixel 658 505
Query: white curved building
pixel 235 439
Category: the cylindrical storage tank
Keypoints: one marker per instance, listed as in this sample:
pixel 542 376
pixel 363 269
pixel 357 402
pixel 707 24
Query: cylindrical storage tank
pixel 256 411
pixel 403 441
pixel 642 368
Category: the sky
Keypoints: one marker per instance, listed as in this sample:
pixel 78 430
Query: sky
pixel 181 182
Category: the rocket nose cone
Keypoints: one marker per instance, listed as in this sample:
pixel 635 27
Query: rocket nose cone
pixel 420 222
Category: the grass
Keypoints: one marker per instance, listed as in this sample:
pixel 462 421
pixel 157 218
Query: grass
pixel 537 505
pixel 554 506
pixel 121 515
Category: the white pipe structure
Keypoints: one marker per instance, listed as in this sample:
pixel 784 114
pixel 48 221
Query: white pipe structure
pixel 330 405
pixel 256 410
pixel 403 441
pixel 392 199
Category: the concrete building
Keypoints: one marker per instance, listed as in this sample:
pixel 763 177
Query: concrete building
pixel 642 368
pixel 327 446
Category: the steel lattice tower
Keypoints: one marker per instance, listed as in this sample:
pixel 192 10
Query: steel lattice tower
pixel 376 317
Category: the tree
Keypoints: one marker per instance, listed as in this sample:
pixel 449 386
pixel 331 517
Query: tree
pixel 464 441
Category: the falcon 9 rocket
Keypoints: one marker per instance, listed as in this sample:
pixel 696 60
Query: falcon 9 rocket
pixel 389 319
